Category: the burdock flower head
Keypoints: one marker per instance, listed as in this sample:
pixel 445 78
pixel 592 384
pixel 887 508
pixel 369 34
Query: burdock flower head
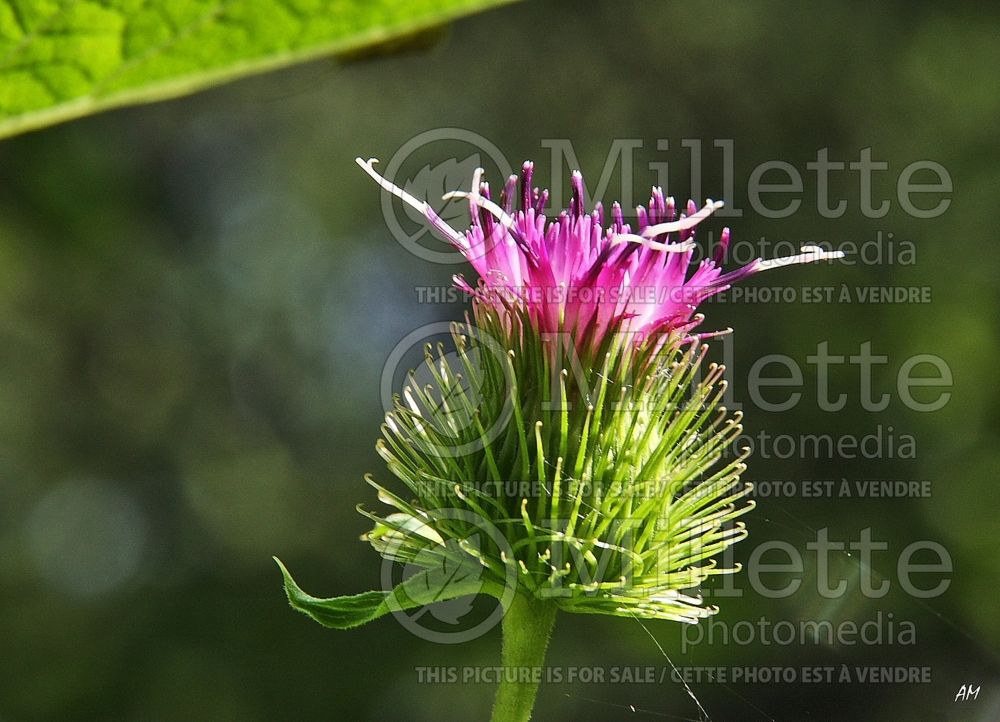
pixel 575 419
pixel 576 276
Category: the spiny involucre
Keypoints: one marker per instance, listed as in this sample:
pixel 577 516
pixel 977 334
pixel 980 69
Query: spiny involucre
pixel 575 415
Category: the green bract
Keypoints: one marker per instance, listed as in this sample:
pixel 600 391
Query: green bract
pixel 602 470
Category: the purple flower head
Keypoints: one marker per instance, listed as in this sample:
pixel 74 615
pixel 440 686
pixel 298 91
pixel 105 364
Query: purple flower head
pixel 579 275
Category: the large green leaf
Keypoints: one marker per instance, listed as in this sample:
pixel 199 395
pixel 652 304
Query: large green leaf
pixel 61 59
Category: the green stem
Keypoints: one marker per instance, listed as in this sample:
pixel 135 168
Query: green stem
pixel 526 628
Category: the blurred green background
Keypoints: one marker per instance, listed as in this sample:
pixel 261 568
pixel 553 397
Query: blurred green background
pixel 197 297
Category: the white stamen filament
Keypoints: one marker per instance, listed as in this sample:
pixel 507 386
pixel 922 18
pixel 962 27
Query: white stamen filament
pixel 474 195
pixel 505 220
pixel 683 224
pixel 810 254
pixel 368 166
pixel 655 245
